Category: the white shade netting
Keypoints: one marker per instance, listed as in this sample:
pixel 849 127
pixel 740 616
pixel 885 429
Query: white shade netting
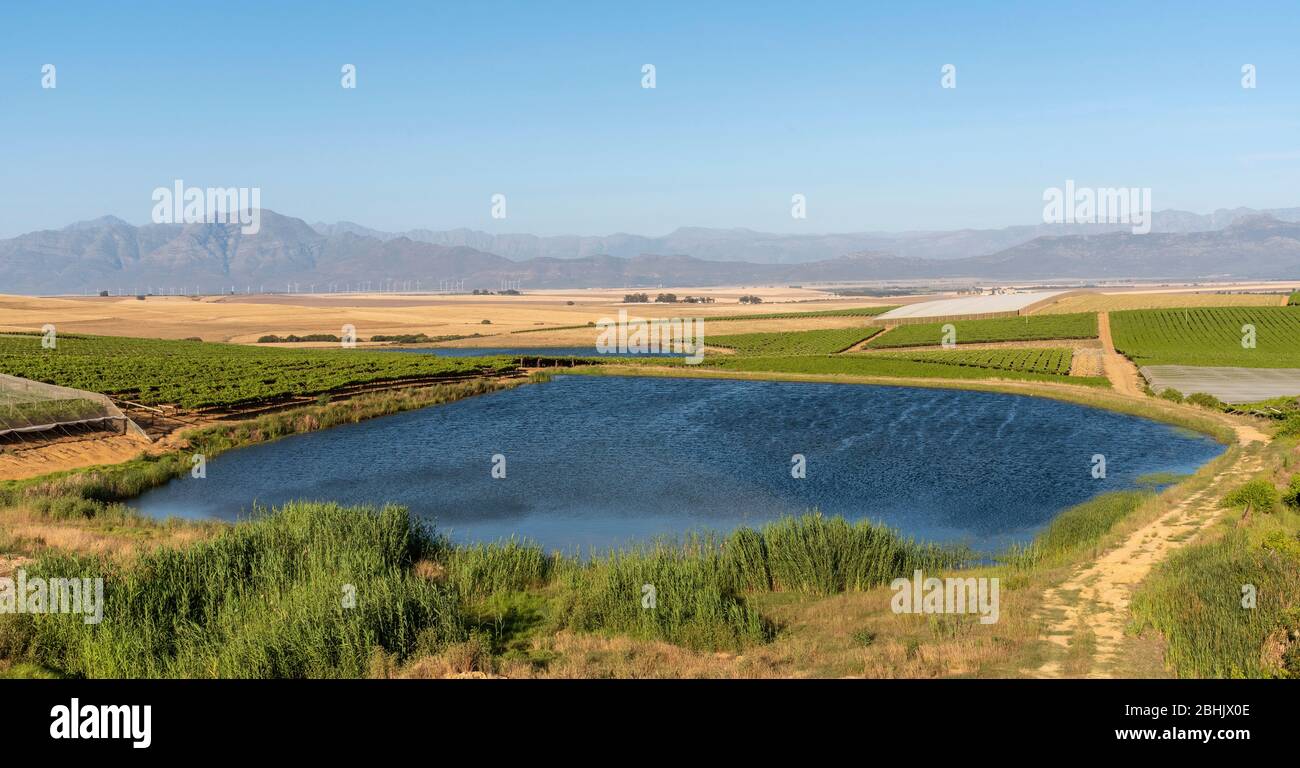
pixel 30 408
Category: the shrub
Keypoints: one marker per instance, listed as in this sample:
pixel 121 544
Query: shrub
pixel 1172 394
pixel 1205 400
pixel 1291 496
pixel 1290 427
pixel 1259 494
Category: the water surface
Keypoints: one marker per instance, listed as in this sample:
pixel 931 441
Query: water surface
pixel 518 351
pixel 601 461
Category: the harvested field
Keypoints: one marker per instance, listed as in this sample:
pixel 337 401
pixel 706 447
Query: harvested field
pixel 243 319
pixel 1108 302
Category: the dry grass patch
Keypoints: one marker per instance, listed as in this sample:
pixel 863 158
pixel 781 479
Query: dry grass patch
pixel 1110 302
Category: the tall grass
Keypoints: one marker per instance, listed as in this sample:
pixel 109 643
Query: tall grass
pixel 682 594
pixel 1077 528
pixel 486 570
pixel 1195 599
pixel 699 586
pixel 825 556
pixel 310 591
pixel 265 597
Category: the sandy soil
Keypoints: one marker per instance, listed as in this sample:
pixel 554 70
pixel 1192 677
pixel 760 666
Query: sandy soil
pixel 17 463
pixel 1123 375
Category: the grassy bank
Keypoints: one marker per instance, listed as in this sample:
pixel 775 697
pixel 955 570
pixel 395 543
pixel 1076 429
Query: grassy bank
pixel 1076 529
pixel 319 590
pixel 1228 605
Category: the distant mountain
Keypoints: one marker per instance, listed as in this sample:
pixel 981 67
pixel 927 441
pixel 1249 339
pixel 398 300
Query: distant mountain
pixel 110 254
pixel 1255 246
pixel 767 248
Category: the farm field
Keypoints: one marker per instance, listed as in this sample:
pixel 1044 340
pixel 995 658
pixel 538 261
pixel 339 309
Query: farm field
pixel 193 374
pixel 243 319
pixel 936 365
pixel 1210 336
pixel 823 342
pixel 1027 328
pixel 1054 360
pixel 1115 302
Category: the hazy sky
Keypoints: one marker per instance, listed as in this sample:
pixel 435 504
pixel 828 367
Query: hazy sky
pixel 755 102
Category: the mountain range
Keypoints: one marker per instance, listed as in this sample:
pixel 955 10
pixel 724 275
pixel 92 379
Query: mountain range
pixel 111 254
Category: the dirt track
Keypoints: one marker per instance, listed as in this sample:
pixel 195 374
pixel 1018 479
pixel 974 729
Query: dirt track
pixel 1094 599
pixel 1123 375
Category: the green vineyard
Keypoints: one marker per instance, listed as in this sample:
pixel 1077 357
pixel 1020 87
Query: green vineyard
pixel 1054 361
pixel 1082 325
pixel 193 374
pixel 820 342
pixel 899 366
pixel 1215 336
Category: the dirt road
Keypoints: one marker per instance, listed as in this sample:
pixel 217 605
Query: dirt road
pixel 1094 599
pixel 1123 375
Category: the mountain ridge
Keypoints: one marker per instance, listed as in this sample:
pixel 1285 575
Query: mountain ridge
pixel 110 254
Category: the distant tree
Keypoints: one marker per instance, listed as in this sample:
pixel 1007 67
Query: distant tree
pixel 751 300
pixel 666 298
pixel 635 298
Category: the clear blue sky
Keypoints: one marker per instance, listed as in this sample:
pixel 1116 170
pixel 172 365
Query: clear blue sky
pixel 542 102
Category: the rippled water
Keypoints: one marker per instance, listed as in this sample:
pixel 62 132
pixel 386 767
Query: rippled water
pixel 517 351
pixel 599 461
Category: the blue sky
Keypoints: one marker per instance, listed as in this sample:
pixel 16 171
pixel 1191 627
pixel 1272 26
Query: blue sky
pixel 543 102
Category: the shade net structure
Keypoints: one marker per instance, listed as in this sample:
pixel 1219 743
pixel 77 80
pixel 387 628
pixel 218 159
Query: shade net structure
pixel 32 410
